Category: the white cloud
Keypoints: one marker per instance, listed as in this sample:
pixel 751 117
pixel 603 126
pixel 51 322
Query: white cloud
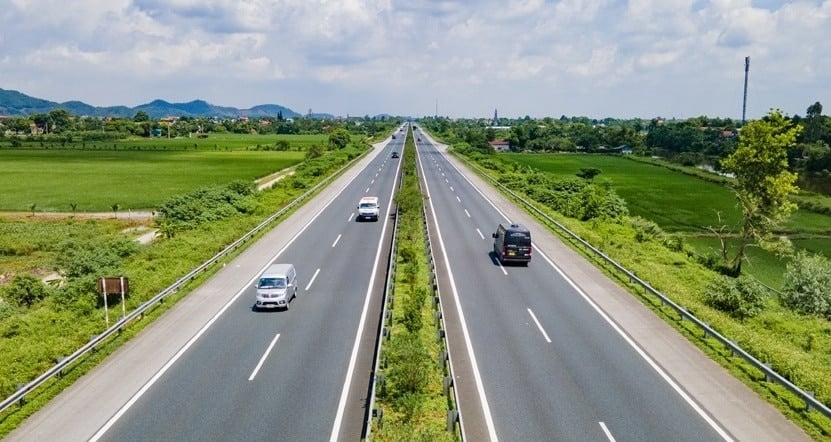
pixel 527 57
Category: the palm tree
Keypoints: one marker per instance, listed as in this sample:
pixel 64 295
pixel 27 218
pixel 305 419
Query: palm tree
pixel 74 207
pixel 115 208
pixel 32 207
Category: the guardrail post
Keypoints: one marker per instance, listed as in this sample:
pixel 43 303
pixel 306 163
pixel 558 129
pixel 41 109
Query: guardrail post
pixel 437 315
pixel 770 367
pixel 452 418
pixel 808 404
pixel 22 401
pixel 58 360
pixel 440 335
pixel 447 382
pixel 378 414
pixel 443 359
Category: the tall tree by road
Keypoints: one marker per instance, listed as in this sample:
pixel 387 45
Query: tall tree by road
pixel 763 182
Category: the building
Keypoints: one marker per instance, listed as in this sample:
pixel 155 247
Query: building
pixel 500 145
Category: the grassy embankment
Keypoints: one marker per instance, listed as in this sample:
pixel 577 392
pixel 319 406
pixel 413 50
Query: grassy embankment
pixel 797 346
pixel 414 406
pixel 33 337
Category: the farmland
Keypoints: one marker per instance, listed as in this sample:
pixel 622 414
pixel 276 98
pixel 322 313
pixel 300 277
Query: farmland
pixel 136 174
pixel 684 204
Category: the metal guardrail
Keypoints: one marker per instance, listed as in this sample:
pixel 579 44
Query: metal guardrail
pixel 383 332
pixel 770 375
pixel 448 383
pixel 19 395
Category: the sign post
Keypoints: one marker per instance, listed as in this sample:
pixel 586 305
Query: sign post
pixel 114 285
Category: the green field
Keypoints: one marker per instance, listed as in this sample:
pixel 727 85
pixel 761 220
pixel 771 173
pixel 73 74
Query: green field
pixel 677 202
pixel 95 180
pixel 211 142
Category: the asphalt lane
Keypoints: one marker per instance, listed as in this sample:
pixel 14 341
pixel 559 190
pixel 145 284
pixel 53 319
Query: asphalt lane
pixel 587 382
pixel 208 395
pixel 226 372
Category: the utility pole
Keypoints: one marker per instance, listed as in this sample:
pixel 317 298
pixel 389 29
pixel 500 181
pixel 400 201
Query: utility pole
pixel 744 102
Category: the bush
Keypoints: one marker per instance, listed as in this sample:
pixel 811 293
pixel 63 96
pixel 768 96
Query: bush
pixel 646 230
pixel 741 297
pixel 807 286
pixel 24 291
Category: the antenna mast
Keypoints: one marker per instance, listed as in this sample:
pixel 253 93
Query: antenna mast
pixel 744 102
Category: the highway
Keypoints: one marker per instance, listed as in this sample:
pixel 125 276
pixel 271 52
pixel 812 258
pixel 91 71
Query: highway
pixel 552 351
pixel 547 361
pixel 297 374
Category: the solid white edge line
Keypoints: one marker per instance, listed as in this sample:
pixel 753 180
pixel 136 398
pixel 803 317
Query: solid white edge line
pixel 311 281
pixel 121 411
pixel 262 359
pixel 336 240
pixel 539 326
pixel 354 357
pixel 607 432
pixel 480 388
pixel 690 401
pixel 480 233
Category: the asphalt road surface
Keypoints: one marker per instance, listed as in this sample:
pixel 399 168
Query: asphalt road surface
pixel 543 350
pixel 214 369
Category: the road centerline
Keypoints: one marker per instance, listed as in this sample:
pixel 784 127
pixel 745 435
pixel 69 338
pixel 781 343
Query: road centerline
pixel 336 240
pixel 607 432
pixel 263 358
pixel 539 326
pixel 311 281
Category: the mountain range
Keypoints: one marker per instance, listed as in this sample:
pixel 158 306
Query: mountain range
pixel 14 103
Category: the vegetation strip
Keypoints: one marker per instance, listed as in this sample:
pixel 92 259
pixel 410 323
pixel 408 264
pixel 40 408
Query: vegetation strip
pixel 412 397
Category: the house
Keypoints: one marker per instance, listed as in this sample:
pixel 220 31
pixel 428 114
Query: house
pixel 500 145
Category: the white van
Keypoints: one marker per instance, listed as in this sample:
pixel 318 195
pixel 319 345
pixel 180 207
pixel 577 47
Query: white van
pixel 276 287
pixel 368 208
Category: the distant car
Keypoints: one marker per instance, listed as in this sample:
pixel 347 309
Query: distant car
pixel 395 154
pixel 393 137
pixel 419 138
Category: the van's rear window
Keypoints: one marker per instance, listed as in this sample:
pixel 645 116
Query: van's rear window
pixel 518 238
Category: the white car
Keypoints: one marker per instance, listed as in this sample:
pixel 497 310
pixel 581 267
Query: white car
pixel 368 208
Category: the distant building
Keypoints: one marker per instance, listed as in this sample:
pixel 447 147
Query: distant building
pixel 500 145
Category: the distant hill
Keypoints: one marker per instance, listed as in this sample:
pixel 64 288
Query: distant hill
pixel 19 104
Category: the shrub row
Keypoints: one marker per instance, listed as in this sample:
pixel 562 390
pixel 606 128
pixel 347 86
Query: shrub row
pixel 411 398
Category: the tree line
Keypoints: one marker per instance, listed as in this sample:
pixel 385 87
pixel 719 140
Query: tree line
pixel 60 122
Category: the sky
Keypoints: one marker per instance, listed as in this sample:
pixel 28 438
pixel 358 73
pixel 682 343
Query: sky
pixel 540 58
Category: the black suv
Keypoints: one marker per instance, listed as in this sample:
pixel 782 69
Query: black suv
pixel 395 154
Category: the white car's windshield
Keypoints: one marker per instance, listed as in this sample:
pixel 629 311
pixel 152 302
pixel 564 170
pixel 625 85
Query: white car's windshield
pixel 367 206
pixel 272 283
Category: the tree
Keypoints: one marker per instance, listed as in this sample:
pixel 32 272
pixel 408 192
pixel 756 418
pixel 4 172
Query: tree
pixel 115 208
pixel 763 182
pixel 588 173
pixel 141 117
pixel 339 139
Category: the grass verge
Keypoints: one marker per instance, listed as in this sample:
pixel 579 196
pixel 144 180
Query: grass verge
pixel 411 396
